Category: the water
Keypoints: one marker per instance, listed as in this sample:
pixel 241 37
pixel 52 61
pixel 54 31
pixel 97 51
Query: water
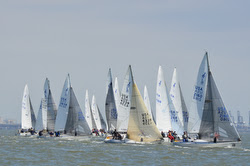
pixel 16 150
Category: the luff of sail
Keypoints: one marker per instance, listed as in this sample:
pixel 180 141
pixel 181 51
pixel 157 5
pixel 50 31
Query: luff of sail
pixel 178 100
pixel 28 117
pixel 110 105
pixel 141 127
pixel 125 102
pixel 63 107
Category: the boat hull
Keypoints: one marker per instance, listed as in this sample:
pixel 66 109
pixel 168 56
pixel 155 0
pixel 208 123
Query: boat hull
pixel 207 144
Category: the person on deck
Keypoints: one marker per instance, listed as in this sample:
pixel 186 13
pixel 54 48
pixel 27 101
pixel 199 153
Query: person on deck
pixel 162 134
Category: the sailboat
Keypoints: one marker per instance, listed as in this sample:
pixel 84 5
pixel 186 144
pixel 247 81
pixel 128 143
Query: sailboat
pixel 166 116
pixel 47 111
pixel 134 120
pixel 178 100
pixel 147 101
pixel 209 122
pixel 28 120
pixel 99 121
pixel 111 103
pixel 70 119
pixel 88 112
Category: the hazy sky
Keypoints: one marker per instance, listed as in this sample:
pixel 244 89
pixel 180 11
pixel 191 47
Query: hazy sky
pixel 40 39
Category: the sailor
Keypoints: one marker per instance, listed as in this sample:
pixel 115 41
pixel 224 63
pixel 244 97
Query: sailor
pixel 216 135
pixel 185 137
pixel 163 134
pixel 114 134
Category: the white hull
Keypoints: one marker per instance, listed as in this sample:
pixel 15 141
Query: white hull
pixel 207 144
pixel 25 134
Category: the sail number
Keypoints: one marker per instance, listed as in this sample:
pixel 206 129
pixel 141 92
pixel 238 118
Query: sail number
pixel 198 93
pixel 146 119
pixel 173 116
pixel 63 102
pixel 124 100
pixel 114 113
pixel 223 114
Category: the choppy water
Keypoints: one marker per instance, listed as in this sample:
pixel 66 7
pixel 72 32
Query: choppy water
pixel 16 150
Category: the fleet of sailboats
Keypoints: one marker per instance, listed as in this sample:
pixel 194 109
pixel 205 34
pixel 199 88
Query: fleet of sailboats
pixel 129 116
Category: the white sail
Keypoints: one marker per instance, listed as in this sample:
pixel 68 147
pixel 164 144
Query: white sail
pixel 198 98
pixel 117 94
pixel 178 100
pixel 88 112
pixel 125 102
pixel 162 106
pixel 41 122
pixel 28 116
pixel 147 101
pixel 63 107
pixel 141 127
pixel 166 116
pixel 103 123
pixel 51 106
pixel 110 105
pixel 96 114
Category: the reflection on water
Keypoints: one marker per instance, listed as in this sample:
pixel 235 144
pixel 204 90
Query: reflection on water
pixel 84 151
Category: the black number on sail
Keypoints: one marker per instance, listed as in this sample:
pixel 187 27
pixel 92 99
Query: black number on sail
pixel 124 100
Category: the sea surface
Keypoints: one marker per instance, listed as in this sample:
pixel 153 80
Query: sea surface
pixel 16 150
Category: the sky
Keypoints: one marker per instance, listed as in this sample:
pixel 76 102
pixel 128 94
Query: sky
pixel 85 38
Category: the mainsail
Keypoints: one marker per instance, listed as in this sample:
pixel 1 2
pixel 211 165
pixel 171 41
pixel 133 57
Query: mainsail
pixel 166 116
pixel 124 105
pixel 103 123
pixel 28 116
pixel 88 112
pixel 214 117
pixel 198 99
pixel 116 93
pixel 41 122
pixel 178 100
pixel 110 104
pixel 141 127
pixel 63 108
pixel 96 114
